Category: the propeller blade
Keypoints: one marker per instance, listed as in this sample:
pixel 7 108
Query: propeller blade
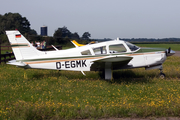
pixel 170 52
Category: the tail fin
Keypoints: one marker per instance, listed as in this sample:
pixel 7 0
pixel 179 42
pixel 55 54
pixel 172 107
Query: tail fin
pixel 21 47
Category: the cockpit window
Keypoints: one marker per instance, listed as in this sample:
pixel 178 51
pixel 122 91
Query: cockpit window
pixel 132 47
pixel 117 48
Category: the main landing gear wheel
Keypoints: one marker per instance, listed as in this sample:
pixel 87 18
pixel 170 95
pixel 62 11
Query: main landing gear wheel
pixel 162 75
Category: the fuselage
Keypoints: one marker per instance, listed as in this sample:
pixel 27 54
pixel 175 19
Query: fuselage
pixel 82 58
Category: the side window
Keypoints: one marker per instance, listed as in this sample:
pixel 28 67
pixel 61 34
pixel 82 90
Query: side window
pixel 117 48
pixel 87 52
pixel 100 50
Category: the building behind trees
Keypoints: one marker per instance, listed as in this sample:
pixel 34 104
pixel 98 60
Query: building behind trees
pixel 44 30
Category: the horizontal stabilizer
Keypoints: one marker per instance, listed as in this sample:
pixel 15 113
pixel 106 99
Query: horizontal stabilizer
pixel 14 62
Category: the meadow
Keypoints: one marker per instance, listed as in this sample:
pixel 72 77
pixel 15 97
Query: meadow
pixel 175 47
pixel 47 94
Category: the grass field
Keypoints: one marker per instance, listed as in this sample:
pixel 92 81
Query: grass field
pixel 5 51
pixel 47 94
pixel 175 47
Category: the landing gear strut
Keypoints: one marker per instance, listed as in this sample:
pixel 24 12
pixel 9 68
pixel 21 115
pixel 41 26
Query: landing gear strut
pixel 161 75
pixel 108 71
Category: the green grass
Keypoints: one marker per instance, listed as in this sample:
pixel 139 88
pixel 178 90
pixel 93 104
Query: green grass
pixel 48 94
pixel 5 51
pixel 175 47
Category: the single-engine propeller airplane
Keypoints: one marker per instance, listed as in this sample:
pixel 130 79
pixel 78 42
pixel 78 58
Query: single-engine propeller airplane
pixel 107 56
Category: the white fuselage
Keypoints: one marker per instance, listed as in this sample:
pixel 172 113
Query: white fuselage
pixel 72 59
pixel 107 56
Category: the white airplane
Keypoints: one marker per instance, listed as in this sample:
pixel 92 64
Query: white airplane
pixel 107 56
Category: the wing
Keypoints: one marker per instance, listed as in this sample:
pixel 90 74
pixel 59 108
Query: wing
pixel 77 44
pixel 118 62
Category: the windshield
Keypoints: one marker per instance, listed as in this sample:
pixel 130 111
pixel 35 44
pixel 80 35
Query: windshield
pixel 132 47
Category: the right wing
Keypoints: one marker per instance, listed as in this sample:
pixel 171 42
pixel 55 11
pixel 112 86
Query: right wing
pixel 77 44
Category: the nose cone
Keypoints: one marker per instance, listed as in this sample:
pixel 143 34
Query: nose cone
pixel 170 52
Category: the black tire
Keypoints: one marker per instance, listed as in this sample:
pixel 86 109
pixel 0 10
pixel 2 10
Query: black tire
pixel 162 75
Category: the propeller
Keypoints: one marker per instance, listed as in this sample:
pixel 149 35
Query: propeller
pixel 169 49
pixel 170 52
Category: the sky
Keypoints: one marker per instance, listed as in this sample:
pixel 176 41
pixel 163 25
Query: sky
pixel 101 18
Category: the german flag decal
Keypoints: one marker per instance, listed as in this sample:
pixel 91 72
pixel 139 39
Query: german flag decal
pixel 18 36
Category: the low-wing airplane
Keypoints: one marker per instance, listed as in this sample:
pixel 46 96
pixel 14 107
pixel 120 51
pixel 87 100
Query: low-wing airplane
pixel 107 56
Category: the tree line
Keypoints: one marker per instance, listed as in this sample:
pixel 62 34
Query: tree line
pixel 12 21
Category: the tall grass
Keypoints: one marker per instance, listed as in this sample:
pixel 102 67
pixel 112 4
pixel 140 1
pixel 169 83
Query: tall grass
pixel 48 94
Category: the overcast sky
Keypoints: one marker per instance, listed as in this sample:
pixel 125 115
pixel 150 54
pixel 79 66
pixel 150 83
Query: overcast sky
pixel 101 18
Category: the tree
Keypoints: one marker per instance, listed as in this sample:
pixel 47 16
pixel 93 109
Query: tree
pixel 3 38
pixel 12 21
pixel 86 36
pixel 58 33
pixel 65 32
pixel 62 35
pixel 75 36
pixel 32 32
pixel 62 32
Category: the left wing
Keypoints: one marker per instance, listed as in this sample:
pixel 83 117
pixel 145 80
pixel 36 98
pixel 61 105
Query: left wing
pixel 114 59
pixel 116 62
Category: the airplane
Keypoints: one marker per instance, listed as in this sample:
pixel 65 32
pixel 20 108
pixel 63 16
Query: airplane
pixel 103 56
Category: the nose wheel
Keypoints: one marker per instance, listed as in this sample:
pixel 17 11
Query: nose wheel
pixel 162 75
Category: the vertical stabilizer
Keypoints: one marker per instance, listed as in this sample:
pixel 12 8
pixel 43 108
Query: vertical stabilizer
pixel 21 47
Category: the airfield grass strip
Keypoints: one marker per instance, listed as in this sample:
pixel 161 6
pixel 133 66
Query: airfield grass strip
pixel 174 47
pixel 48 94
